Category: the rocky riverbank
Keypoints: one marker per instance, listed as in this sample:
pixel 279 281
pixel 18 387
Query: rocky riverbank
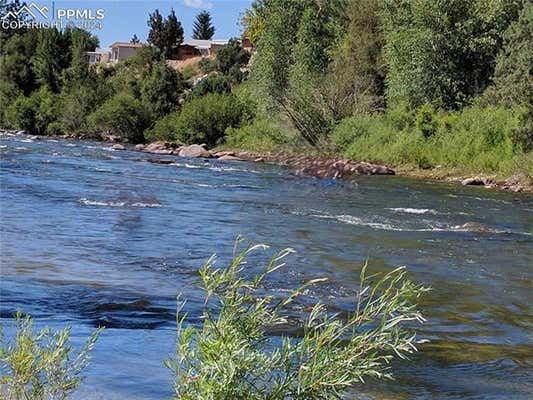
pixel 337 168
pixel 319 166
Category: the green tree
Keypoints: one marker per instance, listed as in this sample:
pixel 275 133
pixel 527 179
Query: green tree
pixel 35 113
pixel 161 90
pixel 16 61
pixel 173 35
pixel 77 72
pixel 47 60
pixel 213 83
pixel 156 33
pixel 166 35
pixel 203 28
pixel 513 76
pixel 231 58
pixel 134 39
pixel 356 81
pixel 443 52
pixel 275 46
pixel 123 116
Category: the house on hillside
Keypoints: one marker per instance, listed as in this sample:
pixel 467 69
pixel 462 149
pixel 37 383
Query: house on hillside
pixel 191 48
pixel 98 56
pixel 121 51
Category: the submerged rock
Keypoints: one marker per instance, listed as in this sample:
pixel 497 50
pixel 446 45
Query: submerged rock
pixel 160 161
pixel 476 227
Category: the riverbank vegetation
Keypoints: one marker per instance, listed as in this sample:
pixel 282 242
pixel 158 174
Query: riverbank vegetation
pixel 235 352
pixel 41 365
pixel 417 84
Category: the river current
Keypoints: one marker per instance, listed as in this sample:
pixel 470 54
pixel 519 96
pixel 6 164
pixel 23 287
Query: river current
pixel 96 237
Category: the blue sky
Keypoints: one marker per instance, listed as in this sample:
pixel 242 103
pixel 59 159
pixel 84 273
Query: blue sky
pixel 123 18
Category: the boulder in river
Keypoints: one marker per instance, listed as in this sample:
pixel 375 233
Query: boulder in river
pixel 157 148
pixel 118 146
pixel 475 181
pixel 194 150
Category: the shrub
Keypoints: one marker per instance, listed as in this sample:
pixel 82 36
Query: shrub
pixel 478 139
pixel 189 72
pixel 231 356
pixel 161 89
pixel 207 65
pixel 213 83
pixel 261 134
pixel 34 113
pixel 8 92
pixel 230 58
pixel 123 116
pixel 40 365
pixel 202 120
pixel 165 129
pixel 424 120
pixel 352 128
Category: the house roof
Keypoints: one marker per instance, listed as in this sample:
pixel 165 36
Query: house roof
pixel 204 44
pixel 126 44
pixel 98 51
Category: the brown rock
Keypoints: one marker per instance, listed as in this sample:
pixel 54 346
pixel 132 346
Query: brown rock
pixel 118 146
pixel 219 154
pixel 139 147
pixel 475 181
pixel 230 158
pixel 194 150
pixel 157 148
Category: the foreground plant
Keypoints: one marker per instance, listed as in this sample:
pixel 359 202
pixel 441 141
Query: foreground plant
pixel 41 365
pixel 232 356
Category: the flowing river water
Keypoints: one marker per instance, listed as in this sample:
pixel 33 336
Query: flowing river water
pixel 92 236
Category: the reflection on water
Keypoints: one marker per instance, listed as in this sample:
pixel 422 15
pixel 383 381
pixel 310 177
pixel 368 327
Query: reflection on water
pixel 92 236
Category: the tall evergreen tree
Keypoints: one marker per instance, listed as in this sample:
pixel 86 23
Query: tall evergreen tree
pixel 203 28
pixel 166 35
pixel 157 25
pixel 173 33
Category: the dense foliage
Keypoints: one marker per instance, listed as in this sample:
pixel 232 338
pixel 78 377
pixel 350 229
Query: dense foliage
pixel 202 120
pixel 412 70
pixel 334 68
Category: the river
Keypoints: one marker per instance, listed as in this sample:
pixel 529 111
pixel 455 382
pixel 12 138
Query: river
pixel 92 236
